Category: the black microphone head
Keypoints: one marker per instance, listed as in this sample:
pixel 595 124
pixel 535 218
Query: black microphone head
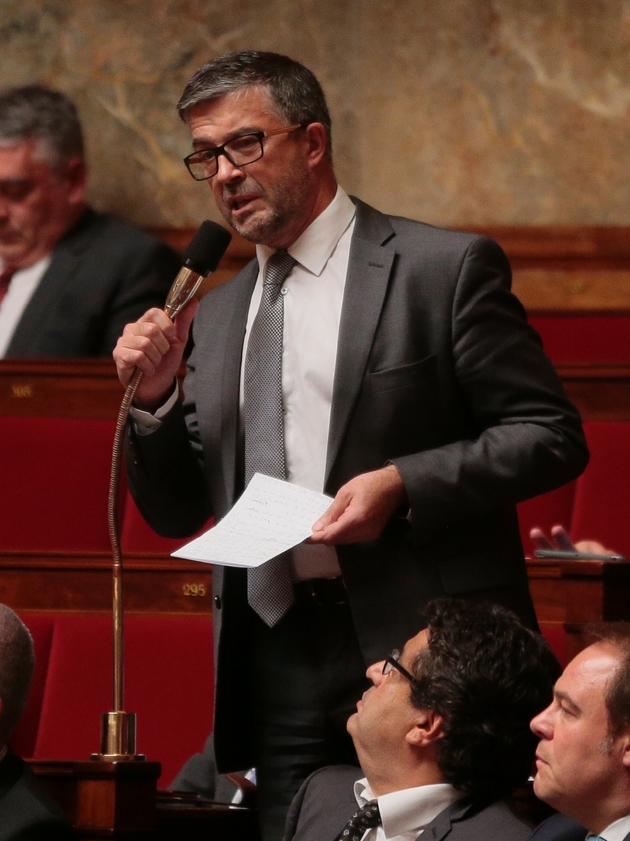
pixel 206 248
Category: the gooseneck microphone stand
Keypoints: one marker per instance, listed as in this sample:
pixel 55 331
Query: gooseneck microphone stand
pixel 118 728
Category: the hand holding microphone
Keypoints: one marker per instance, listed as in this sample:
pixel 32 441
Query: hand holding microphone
pixel 155 343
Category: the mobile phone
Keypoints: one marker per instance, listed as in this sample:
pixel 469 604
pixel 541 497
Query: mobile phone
pixel 561 555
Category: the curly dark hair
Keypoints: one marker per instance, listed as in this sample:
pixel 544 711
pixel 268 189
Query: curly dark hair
pixel 488 676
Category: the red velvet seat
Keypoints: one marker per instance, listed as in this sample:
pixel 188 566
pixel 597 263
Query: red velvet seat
pixel 169 684
pixel 586 339
pixel 55 479
pixel 602 496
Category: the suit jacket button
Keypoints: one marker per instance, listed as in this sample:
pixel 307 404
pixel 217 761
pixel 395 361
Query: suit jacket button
pixel 217 602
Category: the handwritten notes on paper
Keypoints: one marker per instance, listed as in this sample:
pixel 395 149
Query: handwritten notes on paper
pixel 270 517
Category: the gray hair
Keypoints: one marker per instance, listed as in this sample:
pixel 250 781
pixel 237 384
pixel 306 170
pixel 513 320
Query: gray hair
pixel 17 661
pixel 48 117
pixel 292 88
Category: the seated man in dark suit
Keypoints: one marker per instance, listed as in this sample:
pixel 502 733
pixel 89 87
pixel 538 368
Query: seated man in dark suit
pixel 27 812
pixel 583 759
pixel 442 735
pixel 70 278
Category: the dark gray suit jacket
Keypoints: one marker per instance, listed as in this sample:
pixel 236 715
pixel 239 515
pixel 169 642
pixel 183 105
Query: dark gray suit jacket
pixel 27 812
pixel 326 802
pixel 104 274
pixel 561 828
pixel 437 371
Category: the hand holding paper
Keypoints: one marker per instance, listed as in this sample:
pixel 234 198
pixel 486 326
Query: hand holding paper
pixel 270 517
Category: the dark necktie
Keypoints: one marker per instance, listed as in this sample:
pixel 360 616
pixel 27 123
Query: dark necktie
pixel 5 279
pixel 367 817
pixel 269 587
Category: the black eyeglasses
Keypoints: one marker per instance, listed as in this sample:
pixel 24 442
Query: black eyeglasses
pixel 239 151
pixel 391 662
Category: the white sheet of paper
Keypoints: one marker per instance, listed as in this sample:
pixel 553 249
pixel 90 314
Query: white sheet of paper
pixel 270 517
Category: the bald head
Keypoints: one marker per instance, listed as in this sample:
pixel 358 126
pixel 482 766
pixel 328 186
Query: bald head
pixel 17 660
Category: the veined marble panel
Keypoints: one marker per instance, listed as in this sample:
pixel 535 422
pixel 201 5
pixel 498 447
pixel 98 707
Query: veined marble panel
pixel 453 111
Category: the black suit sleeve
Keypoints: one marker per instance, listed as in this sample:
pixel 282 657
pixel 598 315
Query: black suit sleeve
pixel 148 275
pixel 559 828
pixel 323 805
pixel 166 477
pixel 46 831
pixel 524 436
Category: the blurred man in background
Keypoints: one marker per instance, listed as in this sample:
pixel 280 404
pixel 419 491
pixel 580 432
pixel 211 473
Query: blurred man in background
pixel 70 278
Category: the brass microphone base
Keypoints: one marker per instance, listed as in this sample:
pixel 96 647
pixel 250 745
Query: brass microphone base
pixel 118 738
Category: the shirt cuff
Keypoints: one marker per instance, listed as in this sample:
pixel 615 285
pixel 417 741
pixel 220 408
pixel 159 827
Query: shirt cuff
pixel 145 423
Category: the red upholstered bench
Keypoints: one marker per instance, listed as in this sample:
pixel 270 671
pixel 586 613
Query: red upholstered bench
pixel 169 684
pixel 55 478
pixel 585 340
pixel 602 496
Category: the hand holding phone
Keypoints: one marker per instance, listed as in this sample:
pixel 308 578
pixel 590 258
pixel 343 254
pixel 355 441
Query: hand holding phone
pixel 561 547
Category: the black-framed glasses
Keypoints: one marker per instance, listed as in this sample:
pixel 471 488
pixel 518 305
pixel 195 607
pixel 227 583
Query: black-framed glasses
pixel 240 151
pixel 391 662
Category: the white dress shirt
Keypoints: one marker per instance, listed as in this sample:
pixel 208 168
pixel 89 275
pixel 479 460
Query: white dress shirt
pixel 405 813
pixel 21 289
pixel 616 831
pixel 313 297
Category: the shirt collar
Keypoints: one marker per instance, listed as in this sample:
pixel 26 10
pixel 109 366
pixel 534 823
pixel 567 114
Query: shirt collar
pixel 40 266
pixel 615 831
pixel 312 249
pixel 410 809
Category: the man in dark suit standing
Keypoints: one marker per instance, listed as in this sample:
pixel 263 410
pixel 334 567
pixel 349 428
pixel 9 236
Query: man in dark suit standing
pixel 70 278
pixel 442 735
pixel 27 812
pixel 583 758
pixel 380 360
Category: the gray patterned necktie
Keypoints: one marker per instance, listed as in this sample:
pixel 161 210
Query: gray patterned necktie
pixel 367 817
pixel 269 587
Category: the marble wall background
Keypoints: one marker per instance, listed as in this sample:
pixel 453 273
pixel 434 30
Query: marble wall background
pixel 453 111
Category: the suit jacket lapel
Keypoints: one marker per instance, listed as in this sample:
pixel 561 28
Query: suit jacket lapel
pixel 369 270
pixel 440 827
pixel 65 259
pixel 231 378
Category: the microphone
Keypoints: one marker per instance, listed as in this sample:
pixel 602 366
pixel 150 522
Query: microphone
pixel 200 259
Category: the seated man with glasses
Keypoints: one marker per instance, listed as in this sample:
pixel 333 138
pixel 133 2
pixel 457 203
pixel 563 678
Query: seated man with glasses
pixel 442 735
